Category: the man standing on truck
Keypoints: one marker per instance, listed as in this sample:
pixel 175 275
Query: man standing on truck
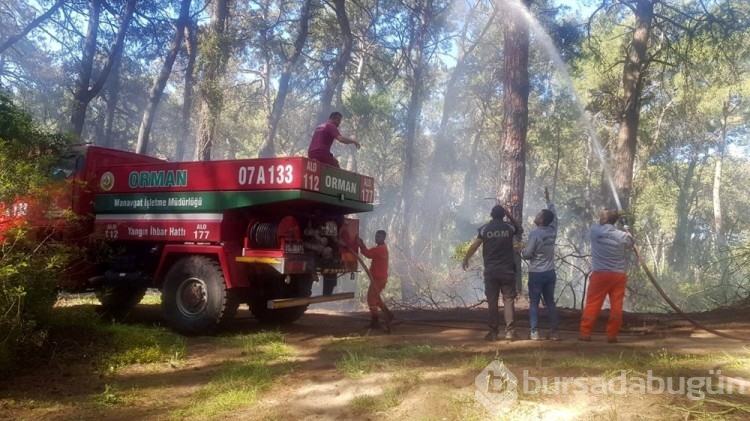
pixel 323 137
pixel 378 278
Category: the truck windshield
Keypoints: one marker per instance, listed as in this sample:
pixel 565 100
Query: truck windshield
pixel 67 166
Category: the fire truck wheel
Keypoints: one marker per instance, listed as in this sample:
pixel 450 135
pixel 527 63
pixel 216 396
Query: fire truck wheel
pixel 118 301
pixel 300 286
pixel 195 299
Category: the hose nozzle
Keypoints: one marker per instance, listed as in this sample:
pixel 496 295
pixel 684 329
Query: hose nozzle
pixel 623 215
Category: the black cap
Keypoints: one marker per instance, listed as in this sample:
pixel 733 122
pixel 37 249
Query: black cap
pixel 497 212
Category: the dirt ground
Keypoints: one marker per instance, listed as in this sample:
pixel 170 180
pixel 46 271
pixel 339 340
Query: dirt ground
pixel 444 389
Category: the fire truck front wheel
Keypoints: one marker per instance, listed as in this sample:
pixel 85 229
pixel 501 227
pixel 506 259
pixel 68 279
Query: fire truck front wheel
pixel 195 299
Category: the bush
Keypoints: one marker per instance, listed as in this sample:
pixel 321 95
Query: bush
pixel 30 263
pixel 28 282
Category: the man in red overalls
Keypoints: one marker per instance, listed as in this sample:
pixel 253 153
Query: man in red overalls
pixel 379 277
pixel 322 140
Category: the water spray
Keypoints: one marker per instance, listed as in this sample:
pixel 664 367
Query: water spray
pixel 546 42
pixel 549 45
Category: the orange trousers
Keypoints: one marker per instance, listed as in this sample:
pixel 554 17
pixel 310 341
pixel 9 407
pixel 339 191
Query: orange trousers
pixel 373 296
pixel 601 285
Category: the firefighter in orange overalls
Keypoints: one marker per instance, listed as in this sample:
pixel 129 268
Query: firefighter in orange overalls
pixel 379 277
pixel 609 260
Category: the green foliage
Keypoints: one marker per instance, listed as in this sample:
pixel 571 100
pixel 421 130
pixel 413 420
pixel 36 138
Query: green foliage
pixel 460 251
pixel 28 280
pixel 109 396
pixel 361 356
pixel 398 386
pixel 139 345
pixel 269 345
pixel 238 384
pixel 77 334
pixel 27 153
pixel 30 263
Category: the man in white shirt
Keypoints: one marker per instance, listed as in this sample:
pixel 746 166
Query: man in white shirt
pixel 540 252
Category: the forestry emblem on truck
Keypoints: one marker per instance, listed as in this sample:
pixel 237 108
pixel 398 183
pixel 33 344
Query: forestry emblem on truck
pixel 107 181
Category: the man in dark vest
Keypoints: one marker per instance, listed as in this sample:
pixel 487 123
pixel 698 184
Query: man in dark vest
pixel 496 239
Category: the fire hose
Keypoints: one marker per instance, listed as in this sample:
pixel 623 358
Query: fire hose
pixel 674 306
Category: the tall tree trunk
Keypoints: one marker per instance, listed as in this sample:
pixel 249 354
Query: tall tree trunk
pixel 191 51
pixel 632 82
pixel 515 111
pixel 266 60
pixel 98 123
pixel 683 206
pixel 716 191
pixel 515 117
pixel 413 114
pixel 80 93
pixel 84 91
pixel 465 225
pixel 681 250
pixel 336 76
pixel 144 131
pixel 28 28
pixel 268 148
pixel 216 49
pixel 113 97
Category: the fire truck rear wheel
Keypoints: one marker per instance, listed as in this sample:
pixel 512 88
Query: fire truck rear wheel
pixel 195 299
pixel 118 301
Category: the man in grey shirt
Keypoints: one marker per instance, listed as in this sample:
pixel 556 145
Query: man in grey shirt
pixel 540 252
pixel 609 247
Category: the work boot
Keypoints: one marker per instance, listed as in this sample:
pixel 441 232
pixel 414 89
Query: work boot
pixel 490 336
pixel 388 318
pixel 374 323
pixel 612 340
pixel 584 338
pixel 553 336
pixel 388 314
pixel 511 336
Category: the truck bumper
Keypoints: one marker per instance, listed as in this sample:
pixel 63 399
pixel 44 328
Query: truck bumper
pixel 283 265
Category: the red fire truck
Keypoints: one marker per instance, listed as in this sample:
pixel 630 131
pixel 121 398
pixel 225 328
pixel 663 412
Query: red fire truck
pixel 211 235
